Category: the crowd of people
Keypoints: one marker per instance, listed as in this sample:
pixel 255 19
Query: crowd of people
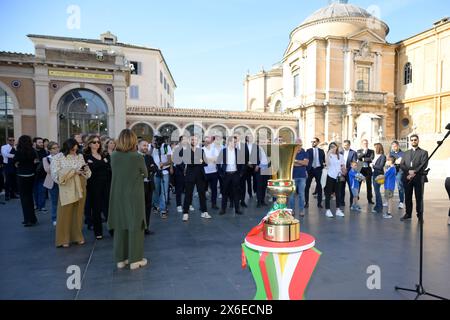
pixel 96 179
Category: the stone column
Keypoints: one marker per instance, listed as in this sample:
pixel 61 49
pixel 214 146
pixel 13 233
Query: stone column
pixel 117 117
pixel 41 84
pixel 17 122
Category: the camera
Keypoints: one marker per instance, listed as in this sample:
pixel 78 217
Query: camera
pixel 159 141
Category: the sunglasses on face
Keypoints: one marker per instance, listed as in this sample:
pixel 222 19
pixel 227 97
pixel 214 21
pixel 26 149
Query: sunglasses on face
pixel 95 142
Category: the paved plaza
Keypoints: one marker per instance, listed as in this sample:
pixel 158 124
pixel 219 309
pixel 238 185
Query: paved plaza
pixel 201 259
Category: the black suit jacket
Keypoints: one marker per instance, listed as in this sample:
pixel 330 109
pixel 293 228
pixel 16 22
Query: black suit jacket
pixel 196 164
pixel 366 158
pixel 151 167
pixel 415 160
pixel 378 166
pixel 311 158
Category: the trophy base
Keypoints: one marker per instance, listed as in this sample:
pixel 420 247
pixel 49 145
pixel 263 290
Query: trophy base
pixel 281 232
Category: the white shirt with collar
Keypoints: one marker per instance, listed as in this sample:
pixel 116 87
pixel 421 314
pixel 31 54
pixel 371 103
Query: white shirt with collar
pixel 346 153
pixel 231 160
pixel 211 152
pixel 316 161
pixel 6 149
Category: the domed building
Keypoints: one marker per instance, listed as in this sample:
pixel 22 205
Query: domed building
pixel 337 76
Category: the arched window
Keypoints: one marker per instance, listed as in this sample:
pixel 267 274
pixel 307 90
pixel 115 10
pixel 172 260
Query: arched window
pixel 169 131
pixel 195 130
pixel 408 73
pixel 6 116
pixel 82 111
pixel 144 131
pixel 219 132
pixel 287 135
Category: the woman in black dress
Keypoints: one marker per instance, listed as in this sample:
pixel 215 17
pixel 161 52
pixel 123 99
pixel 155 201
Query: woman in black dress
pixel 26 160
pixel 98 184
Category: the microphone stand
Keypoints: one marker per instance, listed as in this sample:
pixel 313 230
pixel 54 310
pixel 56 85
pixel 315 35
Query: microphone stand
pixel 420 290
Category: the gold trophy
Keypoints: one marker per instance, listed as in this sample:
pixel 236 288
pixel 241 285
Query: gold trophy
pixel 280 225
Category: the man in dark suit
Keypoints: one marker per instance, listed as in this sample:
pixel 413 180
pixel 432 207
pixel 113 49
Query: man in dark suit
pixel 149 184
pixel 251 159
pixel 316 164
pixel 243 158
pixel 194 175
pixel 413 164
pixel 231 172
pixel 365 158
pixel 349 157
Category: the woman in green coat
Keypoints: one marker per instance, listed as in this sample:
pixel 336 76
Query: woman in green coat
pixel 127 203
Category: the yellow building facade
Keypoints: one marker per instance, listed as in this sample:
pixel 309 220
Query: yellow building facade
pixel 343 80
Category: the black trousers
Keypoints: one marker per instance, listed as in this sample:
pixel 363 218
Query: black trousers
pixel 251 183
pixel 2 179
pixel 148 194
pixel 26 198
pixel 333 185
pixel 261 186
pixel 179 188
pixel 231 190
pixel 447 186
pixel 10 183
pixel 317 175
pixel 242 186
pixel 367 172
pixel 416 186
pixel 342 191
pixel 98 198
pixel 197 180
pixel 211 179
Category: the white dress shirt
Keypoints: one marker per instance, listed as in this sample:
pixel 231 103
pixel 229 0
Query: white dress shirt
pixel 334 165
pixel 6 149
pixel 211 152
pixel 316 162
pixel 346 152
pixel 231 160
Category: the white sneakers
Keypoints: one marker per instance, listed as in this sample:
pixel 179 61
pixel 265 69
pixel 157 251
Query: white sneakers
pixel 139 264
pixel 329 214
pixel 122 264
pixel 191 208
pixel 385 204
pixel 54 223
pixel 180 209
pixel 205 215
pixel 339 213
pixel 185 217
pixel 401 205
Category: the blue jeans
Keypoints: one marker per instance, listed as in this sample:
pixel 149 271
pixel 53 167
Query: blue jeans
pixel 300 184
pixel 54 194
pixel 160 194
pixel 378 199
pixel 39 194
pixel 401 188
